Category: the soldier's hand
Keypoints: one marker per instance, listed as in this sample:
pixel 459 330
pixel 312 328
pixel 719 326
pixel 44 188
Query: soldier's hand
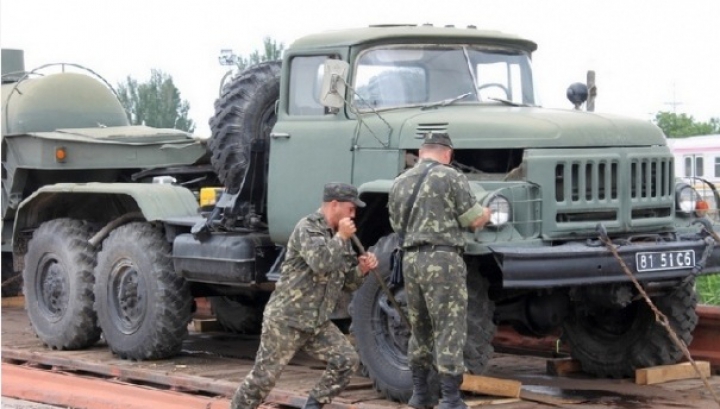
pixel 346 228
pixel 482 220
pixel 367 261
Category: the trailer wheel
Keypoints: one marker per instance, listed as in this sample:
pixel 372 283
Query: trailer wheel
pixel 238 316
pixel 58 284
pixel 143 306
pixel 613 343
pixel 244 115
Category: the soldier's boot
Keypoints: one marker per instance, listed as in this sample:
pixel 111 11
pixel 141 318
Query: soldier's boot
pixel 450 389
pixel 421 398
pixel 312 403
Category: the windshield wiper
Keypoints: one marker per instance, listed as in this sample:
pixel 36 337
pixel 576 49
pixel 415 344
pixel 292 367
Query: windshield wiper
pixel 446 102
pixel 511 103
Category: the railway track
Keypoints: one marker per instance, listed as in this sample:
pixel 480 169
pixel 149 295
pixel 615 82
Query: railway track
pixel 212 364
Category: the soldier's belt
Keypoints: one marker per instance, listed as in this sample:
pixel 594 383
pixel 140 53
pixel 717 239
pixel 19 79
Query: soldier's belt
pixel 429 248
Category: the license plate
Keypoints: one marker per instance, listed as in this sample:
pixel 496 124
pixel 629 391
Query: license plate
pixel 664 260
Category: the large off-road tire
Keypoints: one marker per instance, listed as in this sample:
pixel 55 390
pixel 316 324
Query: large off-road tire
pixel 382 338
pixel 480 326
pixel 58 284
pixel 244 112
pixel 143 306
pixel 613 343
pixel 238 316
pixel 11 279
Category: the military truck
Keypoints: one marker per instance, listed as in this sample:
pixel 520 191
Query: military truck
pixel 353 106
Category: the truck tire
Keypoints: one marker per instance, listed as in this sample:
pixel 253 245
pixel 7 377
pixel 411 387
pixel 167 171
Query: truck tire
pixel 244 113
pixel 615 343
pixel 480 326
pixel 11 279
pixel 143 306
pixel 58 284
pixel 381 339
pixel 382 342
pixel 236 316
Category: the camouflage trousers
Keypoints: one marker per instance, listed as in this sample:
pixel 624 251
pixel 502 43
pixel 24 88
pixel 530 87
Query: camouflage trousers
pixel 436 287
pixel 279 343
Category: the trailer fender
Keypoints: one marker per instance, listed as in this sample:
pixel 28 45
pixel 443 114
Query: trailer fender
pixel 102 203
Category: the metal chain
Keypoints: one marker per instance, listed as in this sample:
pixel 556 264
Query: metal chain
pixel 659 316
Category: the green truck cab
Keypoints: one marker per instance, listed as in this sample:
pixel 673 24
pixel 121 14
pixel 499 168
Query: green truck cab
pixel 352 106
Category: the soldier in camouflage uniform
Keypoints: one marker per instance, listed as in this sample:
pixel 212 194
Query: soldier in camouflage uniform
pixel 433 267
pixel 319 265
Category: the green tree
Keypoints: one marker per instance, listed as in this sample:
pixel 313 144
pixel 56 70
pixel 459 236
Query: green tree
pixel 272 50
pixel 155 103
pixel 683 125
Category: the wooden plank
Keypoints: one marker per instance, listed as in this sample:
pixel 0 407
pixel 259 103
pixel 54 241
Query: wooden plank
pixel 562 366
pixel 10 302
pixel 487 401
pixel 665 373
pixel 206 324
pixel 491 386
pixel 548 399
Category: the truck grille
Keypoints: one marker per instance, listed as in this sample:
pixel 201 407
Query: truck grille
pixel 606 190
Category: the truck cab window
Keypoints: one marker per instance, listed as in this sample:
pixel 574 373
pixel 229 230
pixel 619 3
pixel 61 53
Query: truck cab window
pixel 305 81
pixel 404 75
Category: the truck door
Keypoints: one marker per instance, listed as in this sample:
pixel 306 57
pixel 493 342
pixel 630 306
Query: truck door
pixel 308 147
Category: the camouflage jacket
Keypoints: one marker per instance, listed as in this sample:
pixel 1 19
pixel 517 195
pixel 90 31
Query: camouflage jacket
pixel 444 204
pixel 318 267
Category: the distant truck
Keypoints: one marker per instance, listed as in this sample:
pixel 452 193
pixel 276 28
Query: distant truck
pixel 353 106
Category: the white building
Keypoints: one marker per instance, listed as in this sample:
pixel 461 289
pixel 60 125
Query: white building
pixel 697 156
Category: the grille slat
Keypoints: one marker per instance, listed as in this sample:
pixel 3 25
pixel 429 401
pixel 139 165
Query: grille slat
pixel 590 189
pixel 422 129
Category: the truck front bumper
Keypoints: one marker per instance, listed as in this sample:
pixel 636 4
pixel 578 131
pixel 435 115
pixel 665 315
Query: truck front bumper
pixel 588 263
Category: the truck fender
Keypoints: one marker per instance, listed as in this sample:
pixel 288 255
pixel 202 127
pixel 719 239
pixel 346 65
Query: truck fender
pixel 149 201
pixel 378 186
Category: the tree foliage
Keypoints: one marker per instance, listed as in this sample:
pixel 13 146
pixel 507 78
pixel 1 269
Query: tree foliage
pixel 155 103
pixel 272 50
pixel 683 125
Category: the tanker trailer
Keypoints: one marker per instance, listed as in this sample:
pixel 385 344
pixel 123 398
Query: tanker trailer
pixel 71 165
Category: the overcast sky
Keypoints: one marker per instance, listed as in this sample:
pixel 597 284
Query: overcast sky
pixel 647 54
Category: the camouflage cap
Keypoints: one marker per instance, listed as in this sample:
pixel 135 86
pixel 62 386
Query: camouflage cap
pixel 342 192
pixel 433 138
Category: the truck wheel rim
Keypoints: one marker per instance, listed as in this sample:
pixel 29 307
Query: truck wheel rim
pixel 128 297
pixel 392 333
pixel 52 286
pixel 611 324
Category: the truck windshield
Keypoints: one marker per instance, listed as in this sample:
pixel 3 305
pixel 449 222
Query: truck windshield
pixel 418 75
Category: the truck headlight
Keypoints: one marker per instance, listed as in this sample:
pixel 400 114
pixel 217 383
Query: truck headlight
pixel 501 210
pixel 685 198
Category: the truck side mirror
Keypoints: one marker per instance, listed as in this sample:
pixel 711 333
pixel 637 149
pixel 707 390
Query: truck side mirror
pixel 332 93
